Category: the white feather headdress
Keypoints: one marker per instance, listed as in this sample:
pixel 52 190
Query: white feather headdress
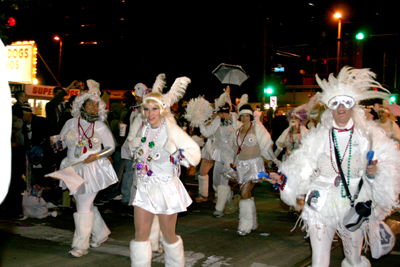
pixel 243 100
pixel 224 98
pixel 159 84
pixel 355 83
pixel 175 93
pixel 94 87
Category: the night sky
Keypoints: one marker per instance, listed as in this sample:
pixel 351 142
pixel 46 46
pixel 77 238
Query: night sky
pixel 193 38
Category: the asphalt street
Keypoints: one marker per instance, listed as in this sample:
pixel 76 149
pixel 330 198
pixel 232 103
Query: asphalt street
pixel 208 241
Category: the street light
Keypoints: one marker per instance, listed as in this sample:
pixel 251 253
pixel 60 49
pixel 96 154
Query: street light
pixel 338 16
pixel 57 38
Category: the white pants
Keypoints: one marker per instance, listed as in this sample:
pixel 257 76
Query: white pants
pixel 321 241
pixel 217 177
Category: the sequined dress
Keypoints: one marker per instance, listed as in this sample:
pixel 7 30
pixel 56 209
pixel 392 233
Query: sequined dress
pixel 158 187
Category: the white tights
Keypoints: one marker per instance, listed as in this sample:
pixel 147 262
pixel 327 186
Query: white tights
pixel 84 202
pixel 217 177
pixel 321 242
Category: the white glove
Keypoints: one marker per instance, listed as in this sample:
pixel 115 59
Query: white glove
pixel 134 143
pixel 170 146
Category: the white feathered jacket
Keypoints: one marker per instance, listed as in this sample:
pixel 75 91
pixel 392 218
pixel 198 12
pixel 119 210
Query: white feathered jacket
pixel 218 144
pixel 308 168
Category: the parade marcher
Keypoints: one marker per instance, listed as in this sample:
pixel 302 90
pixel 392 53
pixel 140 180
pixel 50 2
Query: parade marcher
pixel 129 181
pixel 84 135
pixel 290 139
pixel 391 128
pixel 218 152
pixel 159 147
pixel 331 168
pixel 252 143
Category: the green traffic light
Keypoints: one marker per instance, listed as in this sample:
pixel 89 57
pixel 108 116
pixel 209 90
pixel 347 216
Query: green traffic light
pixel 360 36
pixel 392 99
pixel 268 90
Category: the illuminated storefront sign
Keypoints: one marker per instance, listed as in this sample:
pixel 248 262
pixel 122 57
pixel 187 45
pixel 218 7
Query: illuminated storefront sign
pixel 21 62
pixel 43 91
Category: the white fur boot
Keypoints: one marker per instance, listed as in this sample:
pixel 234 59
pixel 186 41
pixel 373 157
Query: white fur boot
pixel 255 223
pixel 203 189
pixel 140 254
pixel 156 236
pixel 83 229
pixel 364 263
pixel 100 231
pixel 245 216
pixel 174 254
pixel 224 191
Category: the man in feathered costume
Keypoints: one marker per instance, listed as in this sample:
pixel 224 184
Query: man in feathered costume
pixel 312 169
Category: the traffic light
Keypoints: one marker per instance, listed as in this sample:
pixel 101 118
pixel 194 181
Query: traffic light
pixel 10 22
pixel 360 36
pixel 393 99
pixel 268 90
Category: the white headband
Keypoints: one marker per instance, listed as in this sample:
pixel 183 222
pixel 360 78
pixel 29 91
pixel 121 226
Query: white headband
pixel 155 99
pixel 245 111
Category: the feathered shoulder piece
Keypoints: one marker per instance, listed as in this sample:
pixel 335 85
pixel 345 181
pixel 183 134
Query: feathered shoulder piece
pixel 243 100
pixel 222 100
pixel 355 83
pixel 198 111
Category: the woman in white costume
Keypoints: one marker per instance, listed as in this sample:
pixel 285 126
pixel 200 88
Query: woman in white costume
pixel 159 147
pixel 251 142
pixel 84 135
pixel 291 138
pixel 391 128
pixel 218 152
pixel 312 169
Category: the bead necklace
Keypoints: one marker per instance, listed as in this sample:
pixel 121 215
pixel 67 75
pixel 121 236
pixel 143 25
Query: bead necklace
pixel 91 126
pixel 237 138
pixel 348 146
pixel 291 139
pixel 148 145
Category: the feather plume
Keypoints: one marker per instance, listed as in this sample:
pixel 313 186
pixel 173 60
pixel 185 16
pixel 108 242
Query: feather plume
pixel 224 98
pixel 198 111
pixel 356 83
pixel 243 100
pixel 159 84
pixel 177 91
